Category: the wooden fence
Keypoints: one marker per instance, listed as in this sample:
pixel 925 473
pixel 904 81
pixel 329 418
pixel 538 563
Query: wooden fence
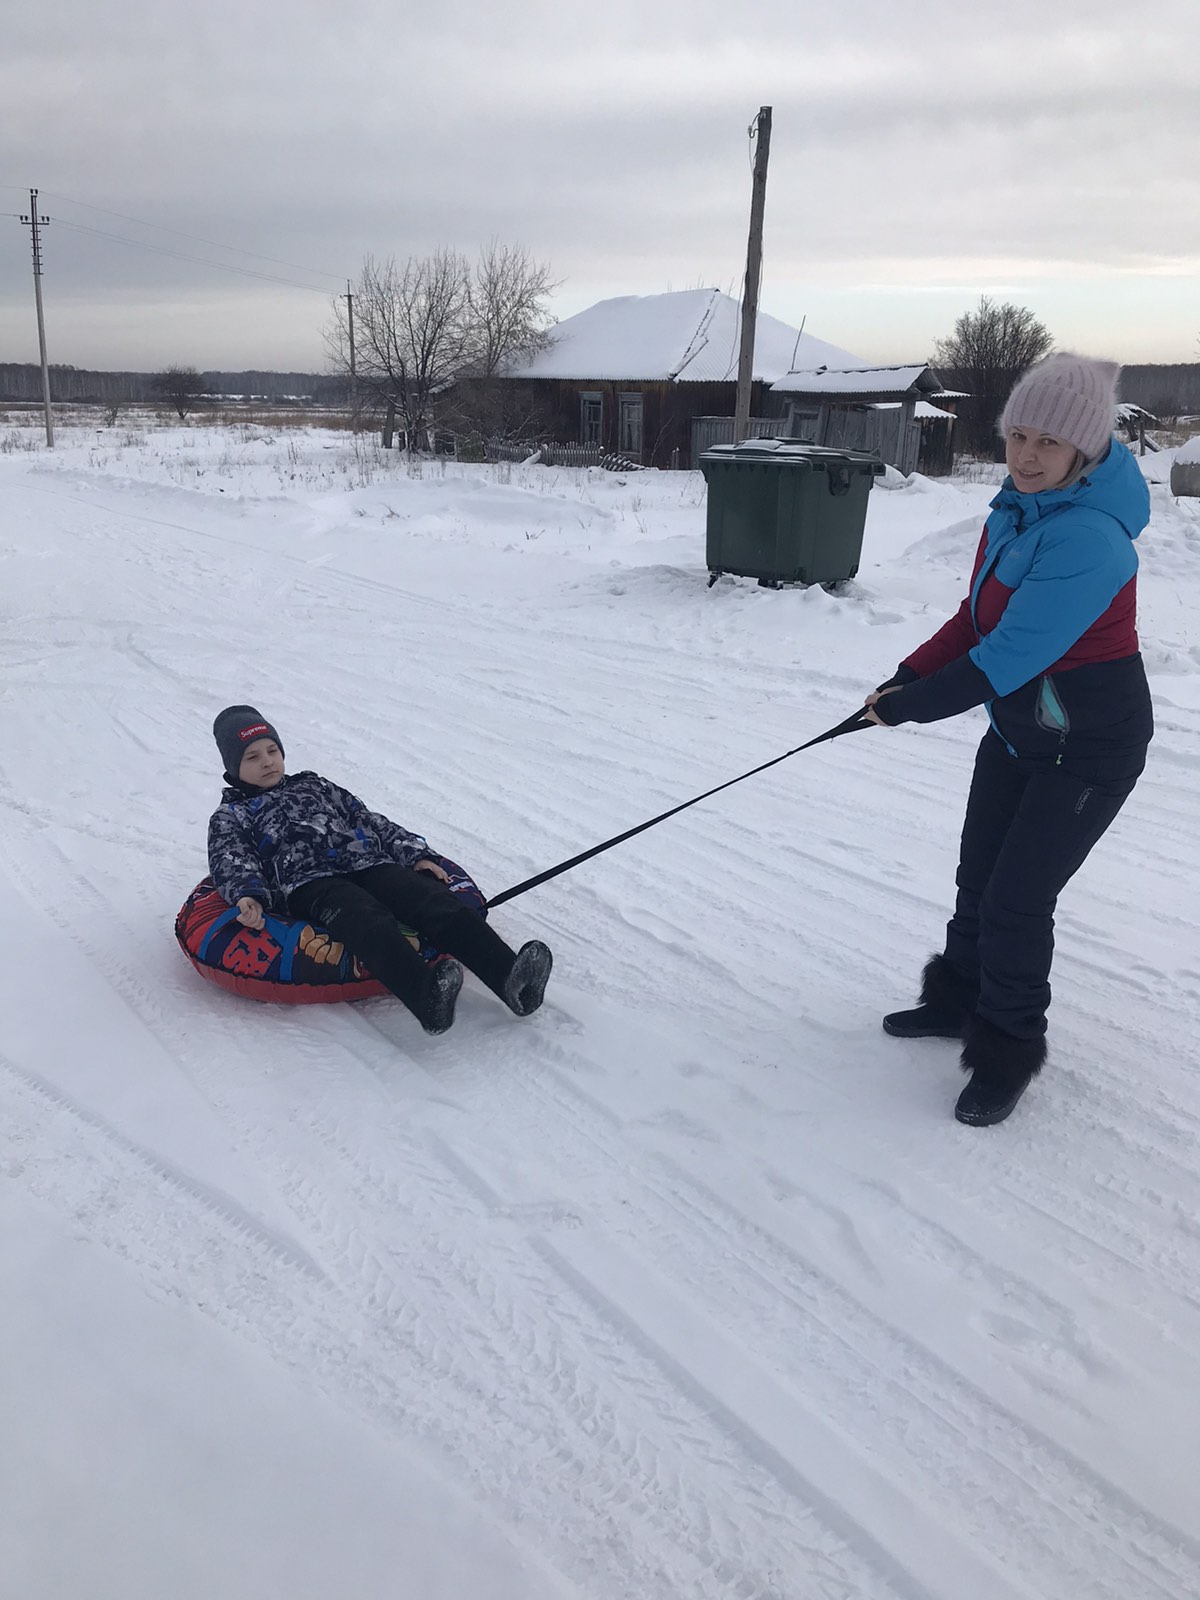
pixel 708 431
pixel 572 455
pixel 883 432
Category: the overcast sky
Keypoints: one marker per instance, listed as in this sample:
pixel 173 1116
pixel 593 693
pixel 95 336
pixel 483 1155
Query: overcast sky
pixel 922 153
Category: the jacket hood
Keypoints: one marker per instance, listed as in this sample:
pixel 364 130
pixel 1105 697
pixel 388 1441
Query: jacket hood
pixel 1115 485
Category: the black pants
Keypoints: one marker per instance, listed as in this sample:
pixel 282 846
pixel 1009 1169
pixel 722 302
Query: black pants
pixel 1027 831
pixel 365 910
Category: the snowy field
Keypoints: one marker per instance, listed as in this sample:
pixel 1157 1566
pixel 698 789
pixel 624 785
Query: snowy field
pixel 689 1288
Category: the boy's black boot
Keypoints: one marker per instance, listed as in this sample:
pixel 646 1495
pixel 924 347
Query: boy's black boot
pixel 436 1013
pixel 947 1000
pixel 526 983
pixel 1001 1068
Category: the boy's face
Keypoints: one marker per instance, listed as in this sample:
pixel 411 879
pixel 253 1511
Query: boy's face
pixel 262 764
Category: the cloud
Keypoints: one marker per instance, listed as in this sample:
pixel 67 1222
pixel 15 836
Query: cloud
pixel 907 140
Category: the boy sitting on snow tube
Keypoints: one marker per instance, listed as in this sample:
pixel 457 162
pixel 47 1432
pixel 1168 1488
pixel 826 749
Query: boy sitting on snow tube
pixel 305 847
pixel 289 961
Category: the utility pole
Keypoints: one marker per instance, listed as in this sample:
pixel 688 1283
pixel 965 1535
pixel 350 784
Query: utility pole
pixel 349 299
pixel 35 222
pixel 760 127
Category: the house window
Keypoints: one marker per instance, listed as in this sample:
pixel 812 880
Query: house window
pixel 591 419
pixel 629 432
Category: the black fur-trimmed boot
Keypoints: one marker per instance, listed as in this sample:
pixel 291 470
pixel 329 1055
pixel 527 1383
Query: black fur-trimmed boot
pixel 947 1000
pixel 1001 1068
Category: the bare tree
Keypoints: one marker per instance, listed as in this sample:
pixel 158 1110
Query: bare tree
pixel 181 387
pixel 988 351
pixel 411 335
pixel 435 322
pixel 510 323
pixel 509 295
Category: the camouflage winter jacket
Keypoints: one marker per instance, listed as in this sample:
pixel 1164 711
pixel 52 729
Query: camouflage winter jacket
pixel 265 843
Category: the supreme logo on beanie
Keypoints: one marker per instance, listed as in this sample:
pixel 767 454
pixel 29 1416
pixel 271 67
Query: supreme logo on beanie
pixel 235 729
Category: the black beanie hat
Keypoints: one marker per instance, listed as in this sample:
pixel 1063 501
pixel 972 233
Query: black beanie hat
pixel 239 726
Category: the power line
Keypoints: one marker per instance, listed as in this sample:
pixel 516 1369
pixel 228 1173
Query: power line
pixel 213 244
pixel 179 255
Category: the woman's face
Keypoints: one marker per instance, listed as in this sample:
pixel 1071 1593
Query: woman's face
pixel 1038 461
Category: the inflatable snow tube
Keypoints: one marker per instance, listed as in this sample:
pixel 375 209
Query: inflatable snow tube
pixel 287 960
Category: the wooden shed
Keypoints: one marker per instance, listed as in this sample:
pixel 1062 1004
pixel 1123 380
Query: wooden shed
pixel 863 408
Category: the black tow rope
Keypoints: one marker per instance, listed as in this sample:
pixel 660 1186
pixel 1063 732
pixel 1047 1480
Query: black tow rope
pixel 852 724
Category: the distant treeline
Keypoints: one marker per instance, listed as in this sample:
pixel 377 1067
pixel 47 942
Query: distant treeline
pixel 1165 391
pixel 76 385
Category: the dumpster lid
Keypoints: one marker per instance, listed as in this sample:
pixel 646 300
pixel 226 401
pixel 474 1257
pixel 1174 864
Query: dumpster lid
pixel 795 451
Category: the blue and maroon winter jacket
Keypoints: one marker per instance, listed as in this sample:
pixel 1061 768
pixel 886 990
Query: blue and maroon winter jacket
pixel 267 842
pixel 1047 636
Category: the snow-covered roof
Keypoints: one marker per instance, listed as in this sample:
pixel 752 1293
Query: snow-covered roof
pixel 854 378
pixel 689 336
pixel 922 409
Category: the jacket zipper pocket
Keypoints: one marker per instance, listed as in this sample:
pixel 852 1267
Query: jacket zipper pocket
pixel 1050 713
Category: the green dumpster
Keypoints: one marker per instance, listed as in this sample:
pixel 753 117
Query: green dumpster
pixel 783 511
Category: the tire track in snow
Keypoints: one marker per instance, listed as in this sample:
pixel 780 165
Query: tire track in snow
pixel 451 1307
pixel 827 1346
pixel 835 951
pixel 1073 1187
pixel 677 1470
pixel 223 1208
pixel 568 840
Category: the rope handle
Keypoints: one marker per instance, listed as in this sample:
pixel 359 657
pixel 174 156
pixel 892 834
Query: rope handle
pixel 852 724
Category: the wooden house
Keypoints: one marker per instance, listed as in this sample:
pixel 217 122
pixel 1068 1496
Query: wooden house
pixel 641 375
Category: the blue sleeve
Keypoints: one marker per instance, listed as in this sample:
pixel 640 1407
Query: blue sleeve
pixel 1082 563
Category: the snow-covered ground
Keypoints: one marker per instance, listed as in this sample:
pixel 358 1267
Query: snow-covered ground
pixel 689 1286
